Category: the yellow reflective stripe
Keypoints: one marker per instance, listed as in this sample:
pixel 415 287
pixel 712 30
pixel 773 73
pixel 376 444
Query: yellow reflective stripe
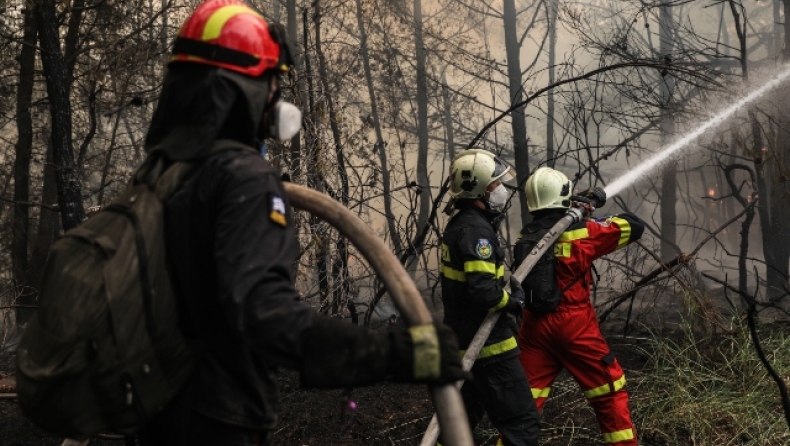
pixel 502 303
pixel 562 250
pixel 540 393
pixel 499 442
pixel 576 234
pixel 495 349
pixel 625 230
pixel 453 274
pixel 498 348
pixel 445 253
pixel 481 266
pixel 500 272
pixel 214 24
pixel 618 436
pixel 425 346
pixel 605 389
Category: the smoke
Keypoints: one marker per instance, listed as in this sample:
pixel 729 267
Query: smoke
pixel 647 167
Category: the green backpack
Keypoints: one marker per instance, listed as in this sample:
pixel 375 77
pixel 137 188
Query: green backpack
pixel 104 351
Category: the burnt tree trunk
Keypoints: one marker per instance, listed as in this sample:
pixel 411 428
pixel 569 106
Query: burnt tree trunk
pixel 517 117
pixel 23 155
pixel 71 40
pixel 67 175
pixel 340 276
pixel 379 147
pixel 551 9
pixel 47 222
pixel 314 179
pixel 779 242
pixel 448 117
pixel 299 94
pixel 422 119
pixel 669 172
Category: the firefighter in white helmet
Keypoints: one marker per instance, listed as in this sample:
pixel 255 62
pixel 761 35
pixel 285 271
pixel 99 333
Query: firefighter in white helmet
pixel 566 333
pixel 472 286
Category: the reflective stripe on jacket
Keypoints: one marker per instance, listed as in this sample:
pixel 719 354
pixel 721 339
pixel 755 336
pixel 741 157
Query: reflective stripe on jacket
pixel 473 272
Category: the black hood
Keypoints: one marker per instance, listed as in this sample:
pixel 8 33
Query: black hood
pixel 200 104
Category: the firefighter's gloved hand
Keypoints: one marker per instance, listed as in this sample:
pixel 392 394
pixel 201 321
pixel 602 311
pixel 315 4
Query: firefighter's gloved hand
pixel 426 353
pixel 516 303
pixel 337 354
pixel 597 195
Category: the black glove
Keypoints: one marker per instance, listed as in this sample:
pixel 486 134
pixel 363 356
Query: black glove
pixel 339 354
pixel 597 195
pixel 516 303
pixel 426 353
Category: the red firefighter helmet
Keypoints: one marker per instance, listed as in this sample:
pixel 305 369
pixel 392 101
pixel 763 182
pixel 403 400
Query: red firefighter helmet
pixel 231 35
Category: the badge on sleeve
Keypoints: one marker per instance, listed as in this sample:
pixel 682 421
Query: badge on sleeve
pixel 604 221
pixel 277 210
pixel 483 248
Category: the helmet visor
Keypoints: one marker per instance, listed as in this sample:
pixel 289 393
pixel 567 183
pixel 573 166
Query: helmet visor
pixel 503 172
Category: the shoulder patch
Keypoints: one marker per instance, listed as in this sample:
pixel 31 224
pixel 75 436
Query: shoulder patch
pixel 277 210
pixel 604 221
pixel 484 248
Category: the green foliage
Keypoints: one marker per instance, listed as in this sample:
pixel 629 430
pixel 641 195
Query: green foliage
pixel 713 391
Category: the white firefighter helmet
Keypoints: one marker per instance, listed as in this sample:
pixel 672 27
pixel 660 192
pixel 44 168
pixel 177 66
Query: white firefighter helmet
pixel 547 188
pixel 473 170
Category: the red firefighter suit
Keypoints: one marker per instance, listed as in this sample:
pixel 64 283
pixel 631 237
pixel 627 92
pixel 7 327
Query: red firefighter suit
pixel 571 338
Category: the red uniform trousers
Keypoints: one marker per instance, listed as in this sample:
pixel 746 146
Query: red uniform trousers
pixel 571 338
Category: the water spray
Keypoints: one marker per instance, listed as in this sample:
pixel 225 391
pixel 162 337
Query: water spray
pixel 656 160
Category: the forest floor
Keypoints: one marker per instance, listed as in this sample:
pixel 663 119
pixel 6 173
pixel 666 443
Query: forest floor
pixel 386 414
pixel 397 414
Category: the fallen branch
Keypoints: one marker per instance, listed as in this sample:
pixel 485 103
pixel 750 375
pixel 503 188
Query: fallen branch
pixel 711 316
pixel 679 260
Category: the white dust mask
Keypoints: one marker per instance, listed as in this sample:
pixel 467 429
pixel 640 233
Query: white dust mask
pixel 497 198
pixel 287 121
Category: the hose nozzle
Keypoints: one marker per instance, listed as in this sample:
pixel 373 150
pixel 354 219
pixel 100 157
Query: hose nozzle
pixel 584 205
pixel 576 213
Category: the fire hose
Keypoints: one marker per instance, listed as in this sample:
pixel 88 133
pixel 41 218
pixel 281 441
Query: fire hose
pixel 574 215
pixel 446 398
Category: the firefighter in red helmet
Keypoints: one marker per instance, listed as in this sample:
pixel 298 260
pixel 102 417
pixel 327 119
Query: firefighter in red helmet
pixel 569 337
pixel 231 245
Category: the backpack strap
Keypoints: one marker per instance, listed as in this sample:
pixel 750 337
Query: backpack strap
pixel 575 279
pixel 173 178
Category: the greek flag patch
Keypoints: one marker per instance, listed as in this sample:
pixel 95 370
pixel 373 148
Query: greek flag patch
pixel 277 210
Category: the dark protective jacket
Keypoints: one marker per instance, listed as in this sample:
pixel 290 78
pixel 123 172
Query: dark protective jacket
pixel 473 272
pixel 231 249
pixel 231 246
